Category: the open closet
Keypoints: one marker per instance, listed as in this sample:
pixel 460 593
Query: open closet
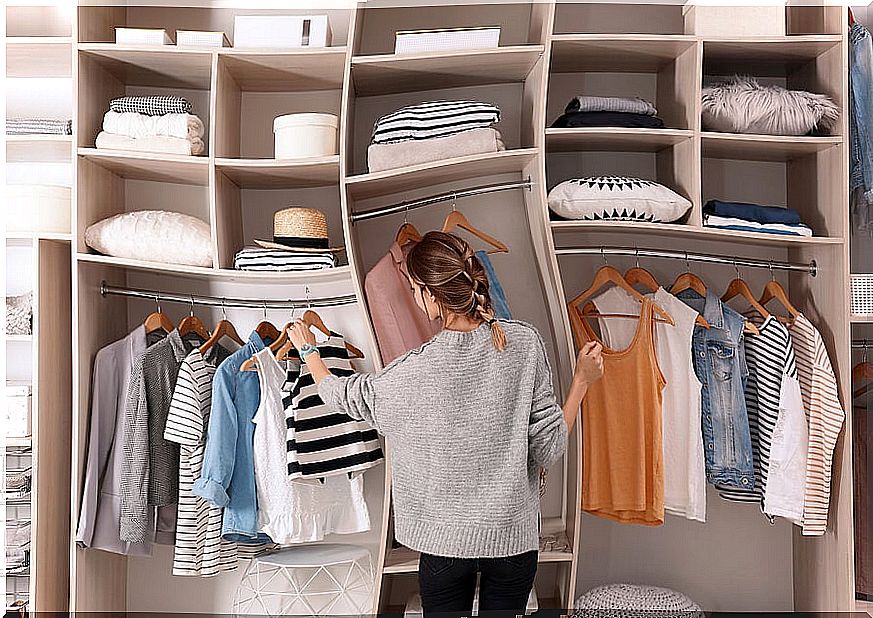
pixel 549 52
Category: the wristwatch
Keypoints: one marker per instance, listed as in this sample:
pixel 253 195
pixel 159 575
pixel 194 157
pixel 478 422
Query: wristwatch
pixel 306 350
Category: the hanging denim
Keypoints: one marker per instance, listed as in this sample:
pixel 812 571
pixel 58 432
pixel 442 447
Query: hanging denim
pixel 720 365
pixel 498 298
pixel 860 117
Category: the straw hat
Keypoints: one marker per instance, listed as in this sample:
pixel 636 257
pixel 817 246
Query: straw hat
pixel 299 229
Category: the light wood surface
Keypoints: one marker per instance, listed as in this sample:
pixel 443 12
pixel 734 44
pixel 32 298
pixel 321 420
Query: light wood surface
pixel 614 139
pixel 266 71
pixel 576 53
pixel 151 166
pixel 167 66
pixel 146 266
pixel 49 148
pixel 280 174
pixel 39 56
pixel 766 56
pixel 391 73
pixel 763 147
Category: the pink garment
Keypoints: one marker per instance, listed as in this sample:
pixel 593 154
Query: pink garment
pixel 399 324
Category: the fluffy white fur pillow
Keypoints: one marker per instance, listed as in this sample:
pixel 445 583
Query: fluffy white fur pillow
pixel 155 236
pixel 742 105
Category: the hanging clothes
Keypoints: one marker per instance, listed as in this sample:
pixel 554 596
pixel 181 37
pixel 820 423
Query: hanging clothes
pixel 862 438
pixel 100 513
pixel 825 417
pixel 199 549
pixel 228 476
pixel 322 442
pixel 684 467
pixel 399 324
pixel 290 512
pixel 495 290
pixel 622 451
pixel 860 117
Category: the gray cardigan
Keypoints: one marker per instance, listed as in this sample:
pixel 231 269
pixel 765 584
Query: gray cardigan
pixel 469 428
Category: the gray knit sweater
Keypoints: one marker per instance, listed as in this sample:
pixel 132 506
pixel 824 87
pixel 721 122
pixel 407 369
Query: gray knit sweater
pixel 469 428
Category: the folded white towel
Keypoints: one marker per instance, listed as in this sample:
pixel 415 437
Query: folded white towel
pixel 414 152
pixel 157 143
pixel 133 124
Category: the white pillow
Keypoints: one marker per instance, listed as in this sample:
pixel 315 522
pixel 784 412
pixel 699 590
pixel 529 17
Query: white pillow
pixel 617 198
pixel 154 236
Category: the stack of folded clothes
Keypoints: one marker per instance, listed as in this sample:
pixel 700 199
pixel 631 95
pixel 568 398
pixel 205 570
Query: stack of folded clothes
pixel 279 260
pixel 753 218
pixel 586 111
pixel 433 131
pixel 38 126
pixel 152 124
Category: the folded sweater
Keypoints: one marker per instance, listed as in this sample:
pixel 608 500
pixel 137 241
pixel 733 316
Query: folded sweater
pixel 629 105
pixel 751 212
pixel 157 143
pixel 133 124
pixel 401 154
pixel 434 119
pixel 608 119
pixel 152 105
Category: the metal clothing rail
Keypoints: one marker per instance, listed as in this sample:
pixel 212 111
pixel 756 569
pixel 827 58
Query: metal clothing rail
pixel 442 197
pixel 222 301
pixel 862 344
pixel 689 256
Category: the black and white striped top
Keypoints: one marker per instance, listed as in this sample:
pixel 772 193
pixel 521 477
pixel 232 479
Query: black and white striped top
pixel 434 119
pixel 769 356
pixel 259 259
pixel 321 441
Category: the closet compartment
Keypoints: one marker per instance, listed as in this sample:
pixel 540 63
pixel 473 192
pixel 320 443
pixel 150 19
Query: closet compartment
pixel 617 18
pixel 254 87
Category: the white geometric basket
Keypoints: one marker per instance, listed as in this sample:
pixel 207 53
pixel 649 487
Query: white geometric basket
pixel 862 295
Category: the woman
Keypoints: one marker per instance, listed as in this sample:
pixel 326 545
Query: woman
pixel 471 417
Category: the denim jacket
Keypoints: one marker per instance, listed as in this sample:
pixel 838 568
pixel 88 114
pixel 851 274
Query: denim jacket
pixel 860 117
pixel 720 365
pixel 228 476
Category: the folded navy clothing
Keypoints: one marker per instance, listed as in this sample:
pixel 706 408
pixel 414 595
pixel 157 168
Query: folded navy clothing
pixel 607 119
pixel 751 212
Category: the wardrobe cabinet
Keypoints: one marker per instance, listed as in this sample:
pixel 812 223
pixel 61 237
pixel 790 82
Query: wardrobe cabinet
pixel 549 52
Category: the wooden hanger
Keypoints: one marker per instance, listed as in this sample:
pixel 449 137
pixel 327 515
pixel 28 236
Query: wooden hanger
pixel 457 219
pixel 191 323
pixel 688 281
pixel 774 290
pixel 312 319
pixel 266 331
pixel 640 276
pixel 608 274
pixel 407 234
pixel 862 370
pixel 157 320
pixel 738 287
pixel 224 328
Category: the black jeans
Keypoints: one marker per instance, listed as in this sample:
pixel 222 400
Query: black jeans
pixel 448 585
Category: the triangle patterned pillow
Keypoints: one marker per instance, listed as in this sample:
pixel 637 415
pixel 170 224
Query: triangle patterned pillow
pixel 617 198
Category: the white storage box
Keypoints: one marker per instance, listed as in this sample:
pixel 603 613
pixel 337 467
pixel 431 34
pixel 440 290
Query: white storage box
pixel 200 38
pixel 17 416
pixel 280 31
pixel 862 294
pixel 38 208
pixel 305 135
pixel 447 39
pixel 715 19
pixel 142 36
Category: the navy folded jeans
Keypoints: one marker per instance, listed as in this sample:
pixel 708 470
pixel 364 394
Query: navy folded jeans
pixel 751 212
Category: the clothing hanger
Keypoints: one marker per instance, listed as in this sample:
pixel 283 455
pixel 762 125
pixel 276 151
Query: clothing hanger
pixel 862 370
pixel 312 319
pixel 738 287
pixel 266 331
pixel 407 232
pixel 774 290
pixel 157 320
pixel 223 329
pixel 688 280
pixel 640 276
pixel 191 323
pixel 457 219
pixel 250 364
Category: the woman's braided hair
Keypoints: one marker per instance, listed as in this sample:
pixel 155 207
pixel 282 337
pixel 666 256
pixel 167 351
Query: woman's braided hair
pixel 448 267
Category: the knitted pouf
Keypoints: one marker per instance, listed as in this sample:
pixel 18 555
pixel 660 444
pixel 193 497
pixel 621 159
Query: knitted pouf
pixel 633 601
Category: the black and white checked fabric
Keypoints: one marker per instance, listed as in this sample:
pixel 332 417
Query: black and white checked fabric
pixel 152 105
pixel 434 119
pixel 321 441
pixel 258 259
pixel 38 126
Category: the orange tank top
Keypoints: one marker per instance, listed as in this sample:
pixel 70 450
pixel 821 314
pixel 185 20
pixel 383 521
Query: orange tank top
pixel 622 456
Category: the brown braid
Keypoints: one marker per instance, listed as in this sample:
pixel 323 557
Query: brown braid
pixel 447 266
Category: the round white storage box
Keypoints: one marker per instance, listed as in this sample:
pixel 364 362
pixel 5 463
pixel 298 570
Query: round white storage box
pixel 312 580
pixel 299 136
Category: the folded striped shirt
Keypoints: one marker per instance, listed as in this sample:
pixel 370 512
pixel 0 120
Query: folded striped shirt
pixel 151 105
pixel 730 223
pixel 434 119
pixel 629 105
pixel 259 259
pixel 38 126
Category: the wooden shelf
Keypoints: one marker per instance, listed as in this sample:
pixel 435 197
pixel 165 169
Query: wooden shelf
pixel 287 71
pixel 187 170
pixel 364 186
pixel 614 139
pixel 861 319
pixel 763 147
pixel 199 271
pixel 692 231
pixel 157 66
pixel 21 442
pixel 764 56
pixel 20 338
pixel 39 56
pixel 616 53
pixel 39 147
pixel 281 174
pixel 39 236
pixel 392 73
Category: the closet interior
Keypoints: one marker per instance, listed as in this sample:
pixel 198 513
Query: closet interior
pixel 548 53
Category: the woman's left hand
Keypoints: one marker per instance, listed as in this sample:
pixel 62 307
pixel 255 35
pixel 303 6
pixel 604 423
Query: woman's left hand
pixel 300 334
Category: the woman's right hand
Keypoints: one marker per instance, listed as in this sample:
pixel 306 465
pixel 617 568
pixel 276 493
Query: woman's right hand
pixel 589 364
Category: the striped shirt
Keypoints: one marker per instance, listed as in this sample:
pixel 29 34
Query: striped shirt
pixel 320 441
pixel 434 119
pixel 258 259
pixel 769 357
pixel 199 548
pixel 825 417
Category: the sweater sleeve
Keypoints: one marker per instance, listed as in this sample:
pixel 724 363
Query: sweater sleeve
pixel 547 431
pixel 353 395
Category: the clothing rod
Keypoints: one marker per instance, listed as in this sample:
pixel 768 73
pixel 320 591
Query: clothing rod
pixel 691 257
pixel 442 197
pixel 220 301
pixel 862 343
